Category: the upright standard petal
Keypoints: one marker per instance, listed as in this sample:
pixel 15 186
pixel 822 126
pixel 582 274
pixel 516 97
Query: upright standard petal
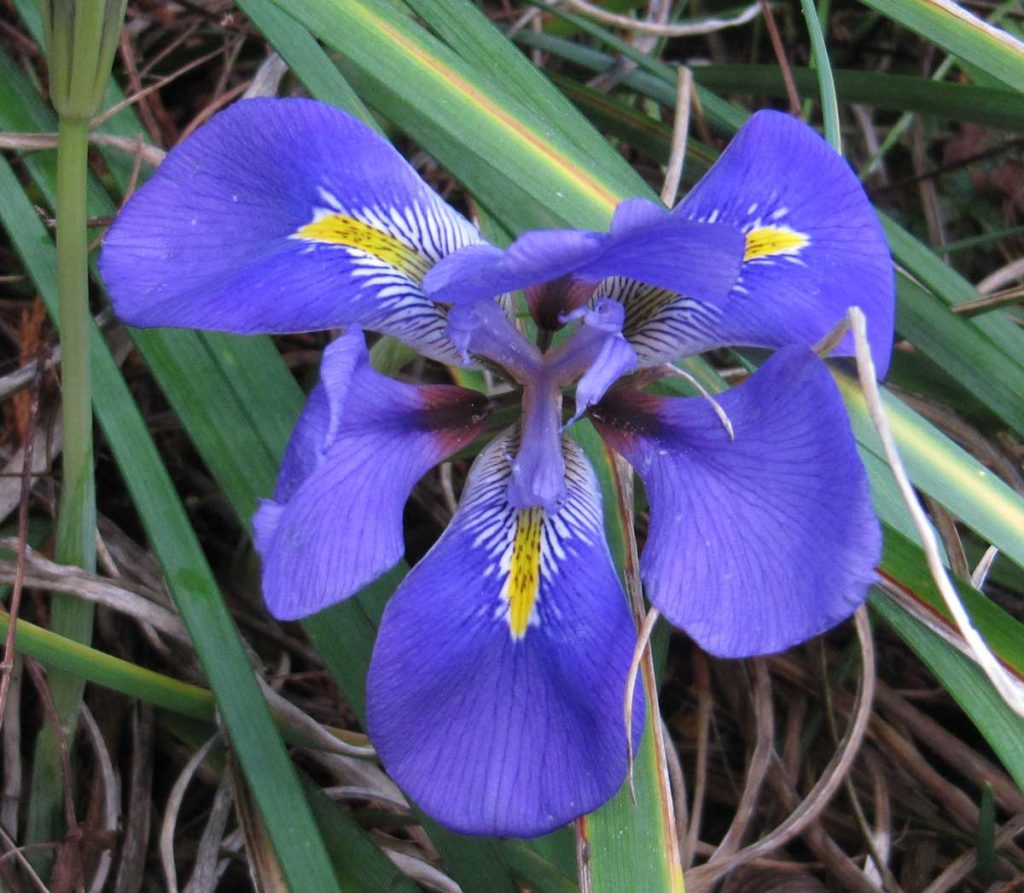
pixel 645 242
pixel 538 467
pixel 484 329
pixel 759 543
pixel 362 442
pixel 284 215
pixel 496 688
pixel 813 243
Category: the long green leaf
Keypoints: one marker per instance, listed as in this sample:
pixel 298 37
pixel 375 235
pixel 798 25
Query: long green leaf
pixel 258 744
pixel 962 350
pixel 438 94
pixel 467 31
pixel 1003 109
pixel 111 672
pixel 892 92
pixel 966 682
pixel 943 470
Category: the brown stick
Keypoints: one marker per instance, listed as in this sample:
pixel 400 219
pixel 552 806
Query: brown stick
pixel 19 576
pixel 780 54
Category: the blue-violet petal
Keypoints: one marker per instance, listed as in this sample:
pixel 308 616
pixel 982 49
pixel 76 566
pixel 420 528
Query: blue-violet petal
pixel 497 683
pixel 361 444
pixel 759 543
pixel 814 245
pixel 284 215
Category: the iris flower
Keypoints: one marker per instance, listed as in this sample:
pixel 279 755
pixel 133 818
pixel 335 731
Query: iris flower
pixel 496 687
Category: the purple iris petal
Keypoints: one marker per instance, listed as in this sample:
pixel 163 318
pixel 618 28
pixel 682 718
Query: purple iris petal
pixel 538 470
pixel 496 687
pixel 814 245
pixel 362 442
pixel 645 243
pixel 284 215
pixel 597 354
pixel 760 543
pixel 482 328
pixel 662 325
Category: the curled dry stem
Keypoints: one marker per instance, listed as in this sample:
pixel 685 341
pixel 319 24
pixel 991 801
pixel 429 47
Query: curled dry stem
pixel 680 135
pixel 687 29
pixel 702 677
pixel 111 797
pixel 759 763
pixel 820 795
pixel 723 416
pixel 980 651
pixel 174 801
pixel 643 643
pixel 959 869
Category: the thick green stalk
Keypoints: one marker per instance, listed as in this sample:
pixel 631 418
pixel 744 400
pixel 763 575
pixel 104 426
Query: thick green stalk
pixel 76 524
pixel 71 617
pixel 81 37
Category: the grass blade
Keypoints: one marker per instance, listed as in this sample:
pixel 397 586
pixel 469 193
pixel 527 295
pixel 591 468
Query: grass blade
pixel 961 33
pixel 965 681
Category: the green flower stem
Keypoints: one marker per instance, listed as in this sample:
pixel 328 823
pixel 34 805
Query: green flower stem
pixel 71 618
pixel 76 526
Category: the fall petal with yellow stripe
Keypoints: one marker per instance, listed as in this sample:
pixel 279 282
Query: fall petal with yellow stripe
pixel 284 215
pixel 503 655
pixel 814 245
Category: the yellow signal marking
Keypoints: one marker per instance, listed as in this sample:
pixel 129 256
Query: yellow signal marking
pixel 768 241
pixel 340 229
pixel 524 571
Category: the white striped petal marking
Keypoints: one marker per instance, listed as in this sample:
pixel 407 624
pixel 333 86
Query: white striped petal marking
pixel 527 547
pixel 661 325
pixel 391 250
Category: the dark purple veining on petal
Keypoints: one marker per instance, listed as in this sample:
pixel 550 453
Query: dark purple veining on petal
pixel 550 301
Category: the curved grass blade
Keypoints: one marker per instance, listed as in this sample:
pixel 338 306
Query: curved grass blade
pixel 826 81
pixel 91 665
